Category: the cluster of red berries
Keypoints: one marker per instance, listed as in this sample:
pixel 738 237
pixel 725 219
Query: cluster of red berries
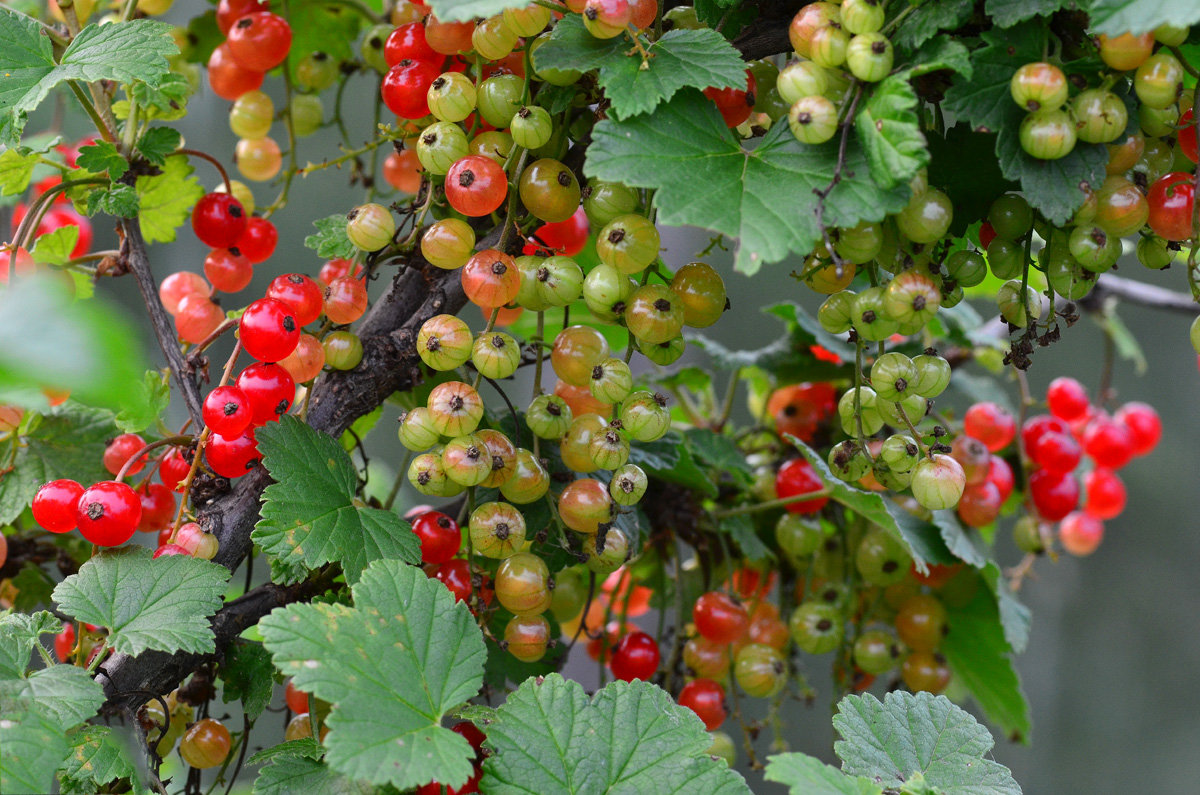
pixel 256 42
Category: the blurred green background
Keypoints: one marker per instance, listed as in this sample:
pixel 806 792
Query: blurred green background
pixel 1110 670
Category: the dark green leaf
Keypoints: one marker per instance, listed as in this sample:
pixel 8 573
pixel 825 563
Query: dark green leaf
pixel 203 36
pixel 158 142
pixel 963 542
pixel 34 745
pixel 890 132
pixel 54 248
pixel 942 54
pixel 330 241
pixel 718 451
pixel 33 588
pixel 98 757
pixel 681 58
pixel 67 694
pixel 1006 13
pixel 1051 186
pixel 807 775
pixel 310 514
pixel 247 675
pixel 544 739
pixel 930 18
pixel 19 633
pixel 1115 17
pixel 980 658
pixel 555 99
pixel 904 734
pixel 145 402
pixel 119 201
pixel 102 157
pixel 161 604
pixel 972 190
pixel 166 200
pixel 985 99
pixel 49 339
pixel 1014 616
pixel 393 665
pixel 705 178
pixel 288 774
pixel 320 26
pixel 743 532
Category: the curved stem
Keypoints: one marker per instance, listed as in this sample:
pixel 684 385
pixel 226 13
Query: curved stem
pixel 216 164
pixel 133 459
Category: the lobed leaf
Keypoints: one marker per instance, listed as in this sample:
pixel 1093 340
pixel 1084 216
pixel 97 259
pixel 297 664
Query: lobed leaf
pixel 806 775
pixel 165 201
pixel 1115 17
pixel 34 746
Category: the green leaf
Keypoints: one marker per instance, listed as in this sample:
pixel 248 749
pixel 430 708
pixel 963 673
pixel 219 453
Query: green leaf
pixel 985 99
pixel 942 55
pixel 144 403
pixel 158 142
pixel 1051 186
pixel 16 171
pixel 680 59
pixel 310 514
pixel 963 542
pixel 931 17
pixel 1115 17
pixel 288 774
pixel 49 339
pixel 888 741
pixel 125 52
pixel 34 745
pixel 119 201
pixel 762 197
pixel 320 26
pixel 1006 13
pixel 890 132
pixel 330 241
pixel 67 694
pixel 166 200
pixel 54 248
pixel 102 157
pixel 630 737
pixel 359 429
pixel 161 604
pixel 247 675
pixel 741 530
pixel 1014 616
pixel 980 658
pixel 718 451
pixel 33 588
pixel 465 10
pixel 393 665
pixel 555 99
pixel 972 190
pixel 807 775
pixel 97 757
pixel 165 102
pixel 19 633
pixel 922 538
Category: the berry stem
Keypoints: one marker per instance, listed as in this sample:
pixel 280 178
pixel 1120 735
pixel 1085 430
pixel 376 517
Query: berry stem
pixel 170 440
pixel 216 163
pixel 539 341
pixel 781 502
pixel 925 451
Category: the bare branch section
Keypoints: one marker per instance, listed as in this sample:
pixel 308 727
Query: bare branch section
pixel 134 248
pixel 1141 294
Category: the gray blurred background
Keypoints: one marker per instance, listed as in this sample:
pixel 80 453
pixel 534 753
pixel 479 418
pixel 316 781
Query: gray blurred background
pixel 1110 670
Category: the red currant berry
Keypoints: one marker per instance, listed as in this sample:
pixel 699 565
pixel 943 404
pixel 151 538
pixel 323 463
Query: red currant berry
pixel 405 88
pixel 167 550
pixel 197 318
pixel 720 618
pixel 1067 398
pixel 1171 199
pixel 173 469
pixel 439 535
pixel 227 411
pixel 1080 534
pixel 563 237
pixel 205 744
pixel 230 11
pixel 260 41
pixel 178 286
pixel 980 504
pixel 1054 494
pixel 1036 426
pixel 798 477
pixel 1000 475
pixel 734 104
pixel 456 576
pixel 228 269
pixel 408 41
pixel 707 699
pixel 269 389
pixel 258 242
pixel 120 450
pixel 1057 452
pixel 990 424
pixel 476 186
pixel 300 293
pixel 109 513
pixel 269 330
pixel 799 409
pixel 635 657
pixel 1144 424
pixel 345 300
pixel 218 220
pixel 158 507
pixel 1187 136
pixel 1104 493
pixel 231 458
pixel 54 505
pixel 1108 442
pixel 228 78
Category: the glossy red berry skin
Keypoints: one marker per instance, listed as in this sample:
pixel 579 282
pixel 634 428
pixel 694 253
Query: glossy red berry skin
pixel 230 11
pixel 109 513
pixel 990 424
pixel 158 507
pixel 456 576
pixel 408 41
pixel 405 88
pixel 440 536
pixel 54 505
pixel 269 330
pixel 1000 475
pixel 1171 199
pixel 1057 452
pixel 168 550
pixel 120 450
pixel 720 618
pixel 1144 424
pixel 228 78
pixel 227 411
pixel 1104 494
pixel 1054 494
pixel 258 242
pixel 1108 442
pixel 270 391
pixel 299 292
pixel 707 699
pixel 219 220
pixel 260 41
pixel 1036 426
pixel 1067 399
pixel 476 185
pixel 173 469
pixel 231 458
pixel 798 477
pixel 562 237
pixel 734 104
pixel 635 657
